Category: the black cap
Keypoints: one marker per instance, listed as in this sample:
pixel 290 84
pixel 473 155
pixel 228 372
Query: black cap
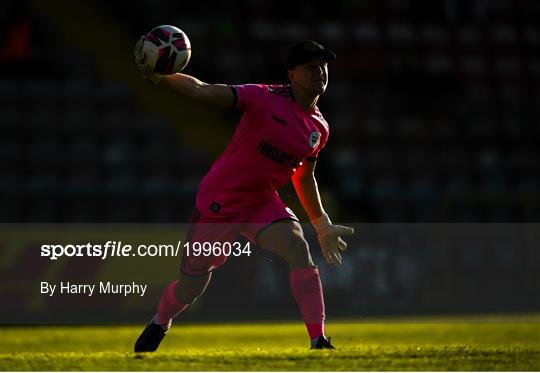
pixel 306 51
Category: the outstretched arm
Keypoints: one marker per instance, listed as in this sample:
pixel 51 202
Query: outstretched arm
pixel 328 234
pixel 217 95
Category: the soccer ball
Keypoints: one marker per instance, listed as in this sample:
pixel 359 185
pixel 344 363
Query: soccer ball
pixel 167 50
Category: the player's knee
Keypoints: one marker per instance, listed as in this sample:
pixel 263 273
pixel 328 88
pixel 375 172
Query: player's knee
pixel 286 239
pixel 297 252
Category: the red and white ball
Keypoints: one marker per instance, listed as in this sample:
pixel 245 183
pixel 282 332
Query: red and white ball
pixel 167 50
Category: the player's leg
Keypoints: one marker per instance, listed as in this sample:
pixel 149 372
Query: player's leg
pixel 286 239
pixel 195 270
pixel 178 295
pixel 195 275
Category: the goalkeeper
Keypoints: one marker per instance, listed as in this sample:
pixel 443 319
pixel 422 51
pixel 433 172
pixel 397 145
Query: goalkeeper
pixel 279 137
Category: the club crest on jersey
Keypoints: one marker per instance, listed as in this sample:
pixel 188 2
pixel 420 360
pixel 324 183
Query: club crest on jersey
pixel 314 138
pixel 291 212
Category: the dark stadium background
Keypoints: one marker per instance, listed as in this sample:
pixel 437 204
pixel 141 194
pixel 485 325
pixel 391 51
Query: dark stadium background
pixel 434 114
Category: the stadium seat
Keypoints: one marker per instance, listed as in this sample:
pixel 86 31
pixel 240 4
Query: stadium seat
pixel 439 63
pixel 10 92
pixel 113 95
pixel 79 120
pixel 411 128
pixel 81 209
pixel 366 33
pixel 386 187
pixel 43 91
pixel 77 90
pixel 40 119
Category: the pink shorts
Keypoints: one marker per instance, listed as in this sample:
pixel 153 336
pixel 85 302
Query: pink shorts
pixel 209 228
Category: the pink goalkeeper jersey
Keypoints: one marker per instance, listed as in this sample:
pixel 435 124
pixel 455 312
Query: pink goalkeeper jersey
pixel 274 136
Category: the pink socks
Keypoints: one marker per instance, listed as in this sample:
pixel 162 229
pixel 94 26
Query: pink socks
pixel 169 306
pixel 307 290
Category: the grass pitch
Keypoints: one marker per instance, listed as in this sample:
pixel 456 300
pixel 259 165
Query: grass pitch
pixel 495 343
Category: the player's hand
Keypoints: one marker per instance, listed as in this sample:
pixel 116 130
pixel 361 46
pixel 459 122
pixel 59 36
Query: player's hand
pixel 329 236
pixel 142 68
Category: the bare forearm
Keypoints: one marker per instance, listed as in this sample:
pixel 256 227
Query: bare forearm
pixel 308 193
pixel 217 95
pixel 183 84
